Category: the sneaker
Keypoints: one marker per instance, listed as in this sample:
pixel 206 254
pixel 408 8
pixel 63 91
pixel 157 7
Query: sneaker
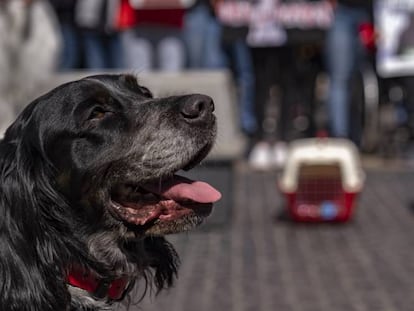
pixel 279 154
pixel 260 157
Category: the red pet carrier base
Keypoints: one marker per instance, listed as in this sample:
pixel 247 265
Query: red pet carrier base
pixel 320 196
pixel 322 180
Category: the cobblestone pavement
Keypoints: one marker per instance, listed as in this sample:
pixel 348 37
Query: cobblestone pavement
pixel 260 263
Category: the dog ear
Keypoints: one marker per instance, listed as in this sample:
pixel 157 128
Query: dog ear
pixel 31 274
pixel 164 260
pixel 33 222
pixel 27 173
pixel 15 130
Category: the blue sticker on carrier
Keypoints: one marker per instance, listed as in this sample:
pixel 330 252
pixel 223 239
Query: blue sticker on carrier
pixel 329 210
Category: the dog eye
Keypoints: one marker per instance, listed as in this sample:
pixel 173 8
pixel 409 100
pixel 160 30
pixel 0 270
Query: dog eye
pixel 97 113
pixel 146 92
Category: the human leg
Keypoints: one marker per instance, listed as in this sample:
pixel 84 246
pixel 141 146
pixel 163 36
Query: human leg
pixel 340 60
pixel 195 22
pixel 246 83
pixel 94 55
pixel 171 54
pixel 115 50
pixel 202 36
pixel 213 56
pixel 137 51
pixel 70 50
pixel 343 51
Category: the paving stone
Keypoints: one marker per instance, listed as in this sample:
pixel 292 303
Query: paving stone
pixel 257 262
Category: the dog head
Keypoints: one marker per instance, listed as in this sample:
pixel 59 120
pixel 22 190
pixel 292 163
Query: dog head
pixel 116 150
pixel 92 166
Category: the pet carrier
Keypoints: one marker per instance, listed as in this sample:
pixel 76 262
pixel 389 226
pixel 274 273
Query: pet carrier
pixel 322 179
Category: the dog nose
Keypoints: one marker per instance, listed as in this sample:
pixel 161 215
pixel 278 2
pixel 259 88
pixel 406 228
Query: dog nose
pixel 196 107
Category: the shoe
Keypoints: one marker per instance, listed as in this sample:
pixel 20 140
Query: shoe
pixel 279 154
pixel 260 157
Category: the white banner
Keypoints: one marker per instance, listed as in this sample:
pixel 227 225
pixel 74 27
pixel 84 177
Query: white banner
pixel 394 21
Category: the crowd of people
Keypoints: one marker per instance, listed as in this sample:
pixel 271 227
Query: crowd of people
pixel 276 50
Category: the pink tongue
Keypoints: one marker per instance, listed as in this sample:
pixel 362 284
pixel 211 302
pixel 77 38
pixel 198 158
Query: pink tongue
pixel 180 188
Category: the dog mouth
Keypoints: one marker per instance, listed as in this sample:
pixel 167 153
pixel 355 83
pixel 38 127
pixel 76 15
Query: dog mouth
pixel 163 200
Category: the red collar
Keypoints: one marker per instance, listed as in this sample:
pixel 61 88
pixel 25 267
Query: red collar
pixel 112 289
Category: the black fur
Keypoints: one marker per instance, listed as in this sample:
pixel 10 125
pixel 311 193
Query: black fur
pixel 59 162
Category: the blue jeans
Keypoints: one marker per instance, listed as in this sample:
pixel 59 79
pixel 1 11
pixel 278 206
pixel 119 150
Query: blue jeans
pixel 153 47
pixel 242 62
pixel 70 57
pixel 344 52
pixel 102 51
pixel 202 35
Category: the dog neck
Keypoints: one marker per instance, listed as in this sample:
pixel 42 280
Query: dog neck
pixel 98 288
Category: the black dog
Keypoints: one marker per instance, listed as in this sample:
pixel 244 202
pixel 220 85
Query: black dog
pixel 87 191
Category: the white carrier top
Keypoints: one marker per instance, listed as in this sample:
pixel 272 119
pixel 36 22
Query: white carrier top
pixel 323 151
